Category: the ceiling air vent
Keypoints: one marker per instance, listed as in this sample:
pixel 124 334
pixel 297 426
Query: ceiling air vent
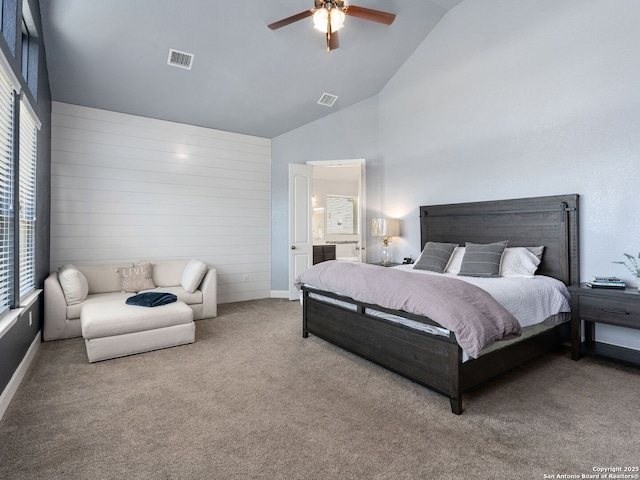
pixel 327 100
pixel 180 59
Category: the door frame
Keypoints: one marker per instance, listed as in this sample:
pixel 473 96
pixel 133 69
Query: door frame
pixel 362 217
pixel 362 197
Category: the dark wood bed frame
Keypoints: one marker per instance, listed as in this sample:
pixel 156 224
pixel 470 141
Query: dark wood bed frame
pixel 436 361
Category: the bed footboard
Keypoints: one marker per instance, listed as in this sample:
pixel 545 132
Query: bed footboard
pixel 430 360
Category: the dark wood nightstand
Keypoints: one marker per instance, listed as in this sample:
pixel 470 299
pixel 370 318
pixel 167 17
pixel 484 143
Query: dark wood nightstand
pixel 601 305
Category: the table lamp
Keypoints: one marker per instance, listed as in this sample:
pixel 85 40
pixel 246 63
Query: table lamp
pixel 385 228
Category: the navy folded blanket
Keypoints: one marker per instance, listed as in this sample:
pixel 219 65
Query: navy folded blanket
pixel 151 299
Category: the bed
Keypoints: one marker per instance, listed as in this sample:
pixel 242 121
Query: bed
pixel 437 361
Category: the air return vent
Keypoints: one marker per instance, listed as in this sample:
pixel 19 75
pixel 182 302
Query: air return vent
pixel 180 59
pixel 327 100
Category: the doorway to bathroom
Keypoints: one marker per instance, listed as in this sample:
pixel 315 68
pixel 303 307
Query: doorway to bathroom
pixel 327 202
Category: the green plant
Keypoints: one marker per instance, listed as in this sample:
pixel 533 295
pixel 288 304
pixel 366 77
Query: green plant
pixel 632 265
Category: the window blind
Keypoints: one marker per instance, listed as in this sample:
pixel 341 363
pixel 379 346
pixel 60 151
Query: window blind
pixel 27 193
pixel 6 191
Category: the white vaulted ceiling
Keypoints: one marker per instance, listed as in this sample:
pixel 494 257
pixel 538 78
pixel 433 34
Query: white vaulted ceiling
pixel 245 78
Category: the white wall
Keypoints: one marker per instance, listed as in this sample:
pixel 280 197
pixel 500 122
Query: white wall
pixel 517 99
pixel 129 188
pixel 522 99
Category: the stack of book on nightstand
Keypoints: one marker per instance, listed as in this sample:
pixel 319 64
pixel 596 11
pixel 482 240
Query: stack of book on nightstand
pixel 606 282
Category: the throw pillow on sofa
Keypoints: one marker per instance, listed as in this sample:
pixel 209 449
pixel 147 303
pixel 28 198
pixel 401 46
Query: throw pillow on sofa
pixel 193 274
pixel 74 284
pixel 135 279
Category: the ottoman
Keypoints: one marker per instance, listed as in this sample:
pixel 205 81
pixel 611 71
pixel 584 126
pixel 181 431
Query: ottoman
pixel 114 329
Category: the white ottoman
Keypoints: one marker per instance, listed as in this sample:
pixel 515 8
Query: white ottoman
pixel 114 329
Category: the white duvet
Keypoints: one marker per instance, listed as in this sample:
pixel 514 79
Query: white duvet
pixel 530 300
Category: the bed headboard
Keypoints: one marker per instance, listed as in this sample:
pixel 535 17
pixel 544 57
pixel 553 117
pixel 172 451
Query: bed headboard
pixel 524 222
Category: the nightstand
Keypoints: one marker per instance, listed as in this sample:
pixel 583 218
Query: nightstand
pixel 601 305
pixel 390 264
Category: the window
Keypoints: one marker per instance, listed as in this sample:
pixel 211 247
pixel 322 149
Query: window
pixel 342 215
pixel 29 126
pixel 18 155
pixel 29 49
pixel 6 191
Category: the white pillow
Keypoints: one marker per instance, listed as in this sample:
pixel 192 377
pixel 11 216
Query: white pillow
pixel 193 274
pixel 456 261
pixel 519 262
pixel 74 284
pixel 537 251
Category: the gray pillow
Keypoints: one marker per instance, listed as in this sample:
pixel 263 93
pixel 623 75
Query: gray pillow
pixel 435 256
pixel 482 260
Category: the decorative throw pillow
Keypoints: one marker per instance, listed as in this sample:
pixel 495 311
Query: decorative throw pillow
pixel 456 261
pixel 135 279
pixel 482 260
pixel 74 284
pixel 193 274
pixel 519 262
pixel 435 256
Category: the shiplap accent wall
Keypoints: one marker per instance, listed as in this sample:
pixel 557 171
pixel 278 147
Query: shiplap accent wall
pixel 128 188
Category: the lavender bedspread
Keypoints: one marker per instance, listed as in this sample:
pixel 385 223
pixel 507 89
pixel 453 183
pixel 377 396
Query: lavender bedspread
pixel 472 314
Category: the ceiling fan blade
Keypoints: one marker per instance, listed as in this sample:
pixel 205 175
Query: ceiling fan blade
pixel 333 41
pixel 369 14
pixel 293 18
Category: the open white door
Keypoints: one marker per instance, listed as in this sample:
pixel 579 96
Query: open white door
pixel 300 228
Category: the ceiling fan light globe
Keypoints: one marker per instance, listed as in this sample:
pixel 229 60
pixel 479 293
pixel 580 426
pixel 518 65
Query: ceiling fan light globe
pixel 321 16
pixel 320 19
pixel 337 19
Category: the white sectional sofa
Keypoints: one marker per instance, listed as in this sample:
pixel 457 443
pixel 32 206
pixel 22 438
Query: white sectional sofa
pixel 104 284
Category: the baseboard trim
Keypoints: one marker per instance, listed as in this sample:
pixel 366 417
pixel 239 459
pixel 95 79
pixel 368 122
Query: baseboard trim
pixel 18 375
pixel 280 294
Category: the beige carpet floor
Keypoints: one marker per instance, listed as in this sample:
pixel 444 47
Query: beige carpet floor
pixel 252 399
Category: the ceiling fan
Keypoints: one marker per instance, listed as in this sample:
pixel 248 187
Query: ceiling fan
pixel 328 17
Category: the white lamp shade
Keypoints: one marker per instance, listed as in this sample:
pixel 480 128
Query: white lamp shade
pixel 385 227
